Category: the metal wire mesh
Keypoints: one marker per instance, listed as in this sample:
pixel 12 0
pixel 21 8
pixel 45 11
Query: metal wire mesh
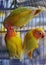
pixel 39 21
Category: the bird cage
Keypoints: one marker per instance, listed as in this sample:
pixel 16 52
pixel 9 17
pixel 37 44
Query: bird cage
pixel 6 6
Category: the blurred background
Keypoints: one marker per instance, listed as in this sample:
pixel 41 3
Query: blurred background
pixel 6 6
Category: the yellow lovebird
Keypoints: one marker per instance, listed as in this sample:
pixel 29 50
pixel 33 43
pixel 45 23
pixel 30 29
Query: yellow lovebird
pixel 31 40
pixel 21 16
pixel 13 43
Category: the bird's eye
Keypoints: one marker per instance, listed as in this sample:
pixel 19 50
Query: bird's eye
pixel 40 33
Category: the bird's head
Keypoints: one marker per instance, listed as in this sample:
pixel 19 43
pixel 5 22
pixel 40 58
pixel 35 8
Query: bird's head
pixel 38 33
pixel 8 26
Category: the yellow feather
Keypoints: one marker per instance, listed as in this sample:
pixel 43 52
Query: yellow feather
pixel 14 45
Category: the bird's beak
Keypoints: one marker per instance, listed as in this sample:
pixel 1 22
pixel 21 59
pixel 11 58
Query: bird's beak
pixel 43 35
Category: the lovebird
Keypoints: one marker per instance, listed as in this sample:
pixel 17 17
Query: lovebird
pixel 13 43
pixel 21 16
pixel 31 40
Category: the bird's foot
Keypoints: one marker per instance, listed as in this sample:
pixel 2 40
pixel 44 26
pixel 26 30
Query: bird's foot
pixel 30 55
